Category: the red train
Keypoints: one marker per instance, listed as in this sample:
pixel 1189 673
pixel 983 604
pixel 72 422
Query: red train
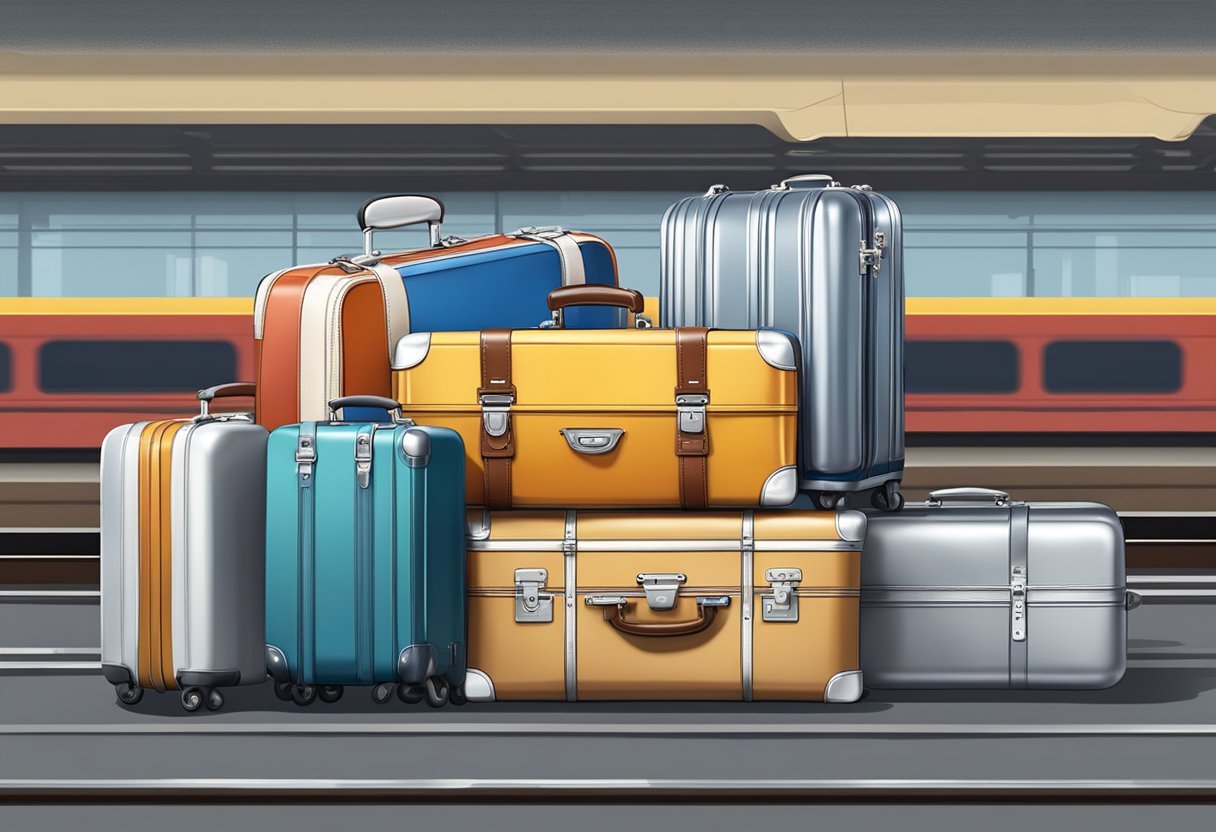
pixel 72 369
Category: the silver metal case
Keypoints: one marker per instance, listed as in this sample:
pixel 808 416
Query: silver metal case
pixel 825 263
pixel 984 595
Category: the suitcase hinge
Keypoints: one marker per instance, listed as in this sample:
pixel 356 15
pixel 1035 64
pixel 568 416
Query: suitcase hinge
pixel 363 458
pixel 872 257
pixel 531 605
pixel 495 412
pixel 306 455
pixel 1017 592
pixel 781 604
pixel 661 588
pixel 691 411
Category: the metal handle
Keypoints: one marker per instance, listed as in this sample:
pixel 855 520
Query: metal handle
pixel 391 405
pixel 398 211
pixel 614 614
pixel 223 391
pixel 592 441
pixel 807 180
pixel 968 495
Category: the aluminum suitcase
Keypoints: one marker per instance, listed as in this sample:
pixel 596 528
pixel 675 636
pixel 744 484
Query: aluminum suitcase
pixel 825 263
pixel 974 590
pixel 326 330
pixel 728 605
pixel 640 418
pixel 364 559
pixel 182 526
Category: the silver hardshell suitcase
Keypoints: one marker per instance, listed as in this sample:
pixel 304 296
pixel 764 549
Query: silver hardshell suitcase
pixel 973 590
pixel 824 262
pixel 183 507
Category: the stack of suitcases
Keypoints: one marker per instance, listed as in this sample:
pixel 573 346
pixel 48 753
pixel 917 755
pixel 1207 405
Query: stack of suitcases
pixel 476 471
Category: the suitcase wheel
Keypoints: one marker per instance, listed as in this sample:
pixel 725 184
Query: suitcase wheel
pixel 192 699
pixel 215 700
pixel 888 497
pixel 303 695
pixel 283 690
pixel 411 694
pixel 436 689
pixel 330 693
pixel 381 693
pixel 825 500
pixel 456 696
pixel 128 694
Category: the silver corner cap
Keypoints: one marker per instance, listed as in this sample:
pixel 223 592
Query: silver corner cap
pixel 411 350
pixel 845 686
pixel 781 487
pixel 479 525
pixel 478 687
pixel 851 525
pixel 416 445
pixel 778 349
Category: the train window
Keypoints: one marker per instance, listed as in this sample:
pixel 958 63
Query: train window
pixel 134 366
pixel 961 367
pixel 1112 367
pixel 6 368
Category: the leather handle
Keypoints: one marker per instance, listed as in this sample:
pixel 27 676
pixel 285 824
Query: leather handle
pixel 228 391
pixel 588 295
pixel 706 613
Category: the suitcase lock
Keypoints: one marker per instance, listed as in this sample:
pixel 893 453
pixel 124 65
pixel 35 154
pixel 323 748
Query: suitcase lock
pixel 496 412
pixel 872 257
pixel 1017 592
pixel 531 605
pixel 662 588
pixel 363 458
pixel 691 411
pixel 781 604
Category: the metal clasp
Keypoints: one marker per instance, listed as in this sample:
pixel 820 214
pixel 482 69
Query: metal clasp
pixel 306 455
pixel 496 412
pixel 531 605
pixel 363 458
pixel 872 257
pixel 662 588
pixel 781 604
pixel 690 408
pixel 549 231
pixel 1017 610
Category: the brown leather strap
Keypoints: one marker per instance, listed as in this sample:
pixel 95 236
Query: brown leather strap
pixel 591 294
pixel 496 451
pixel 616 617
pixel 692 447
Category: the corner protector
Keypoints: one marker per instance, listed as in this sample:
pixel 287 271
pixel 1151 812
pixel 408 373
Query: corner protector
pixel 845 686
pixel 781 487
pixel 411 350
pixel 478 687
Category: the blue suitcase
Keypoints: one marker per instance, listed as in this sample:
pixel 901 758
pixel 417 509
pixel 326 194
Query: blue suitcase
pixel 365 574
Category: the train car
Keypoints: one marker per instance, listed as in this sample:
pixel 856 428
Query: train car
pixel 71 369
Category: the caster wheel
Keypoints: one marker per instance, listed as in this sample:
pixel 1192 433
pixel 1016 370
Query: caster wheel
pixel 283 690
pixel 215 700
pixel 330 693
pixel 410 694
pixel 192 699
pixel 381 693
pixel 825 501
pixel 456 696
pixel 888 497
pixel 303 695
pixel 436 689
pixel 129 694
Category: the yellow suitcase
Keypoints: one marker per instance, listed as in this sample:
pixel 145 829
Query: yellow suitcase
pixel 730 605
pixel 627 418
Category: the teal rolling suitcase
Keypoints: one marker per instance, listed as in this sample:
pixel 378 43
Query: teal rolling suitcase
pixel 365 574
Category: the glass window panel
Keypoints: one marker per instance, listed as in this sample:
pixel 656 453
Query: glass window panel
pixel 1111 272
pixel 961 367
pixel 8 239
pixel 1112 367
pixel 638 268
pixel 336 241
pixel 113 272
pixel 953 209
pixel 235 272
pixel 328 211
pixel 8 272
pixel 244 210
pixel 944 272
pixel 1125 210
pixel 1125 239
pixel 109 210
pixel 134 366
pixel 248 239
pixel 963 239
pixel 587 211
pixel 121 238
pixel 6 368
pixel 8 212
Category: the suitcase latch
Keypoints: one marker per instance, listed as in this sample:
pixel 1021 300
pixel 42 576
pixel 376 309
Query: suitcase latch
pixel 306 455
pixel 363 459
pixel 690 408
pixel 496 412
pixel 662 588
pixel 781 604
pixel 531 605
pixel 1017 611
pixel 871 257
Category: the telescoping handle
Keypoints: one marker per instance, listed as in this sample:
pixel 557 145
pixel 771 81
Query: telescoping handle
pixel 805 181
pixel 398 211
pixel 589 295
pixel 968 495
pixel 223 391
pixel 380 402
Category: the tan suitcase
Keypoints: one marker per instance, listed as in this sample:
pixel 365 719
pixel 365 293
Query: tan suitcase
pixel 729 605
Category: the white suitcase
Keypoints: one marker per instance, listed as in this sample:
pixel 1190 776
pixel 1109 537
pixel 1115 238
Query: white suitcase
pixel 182 566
